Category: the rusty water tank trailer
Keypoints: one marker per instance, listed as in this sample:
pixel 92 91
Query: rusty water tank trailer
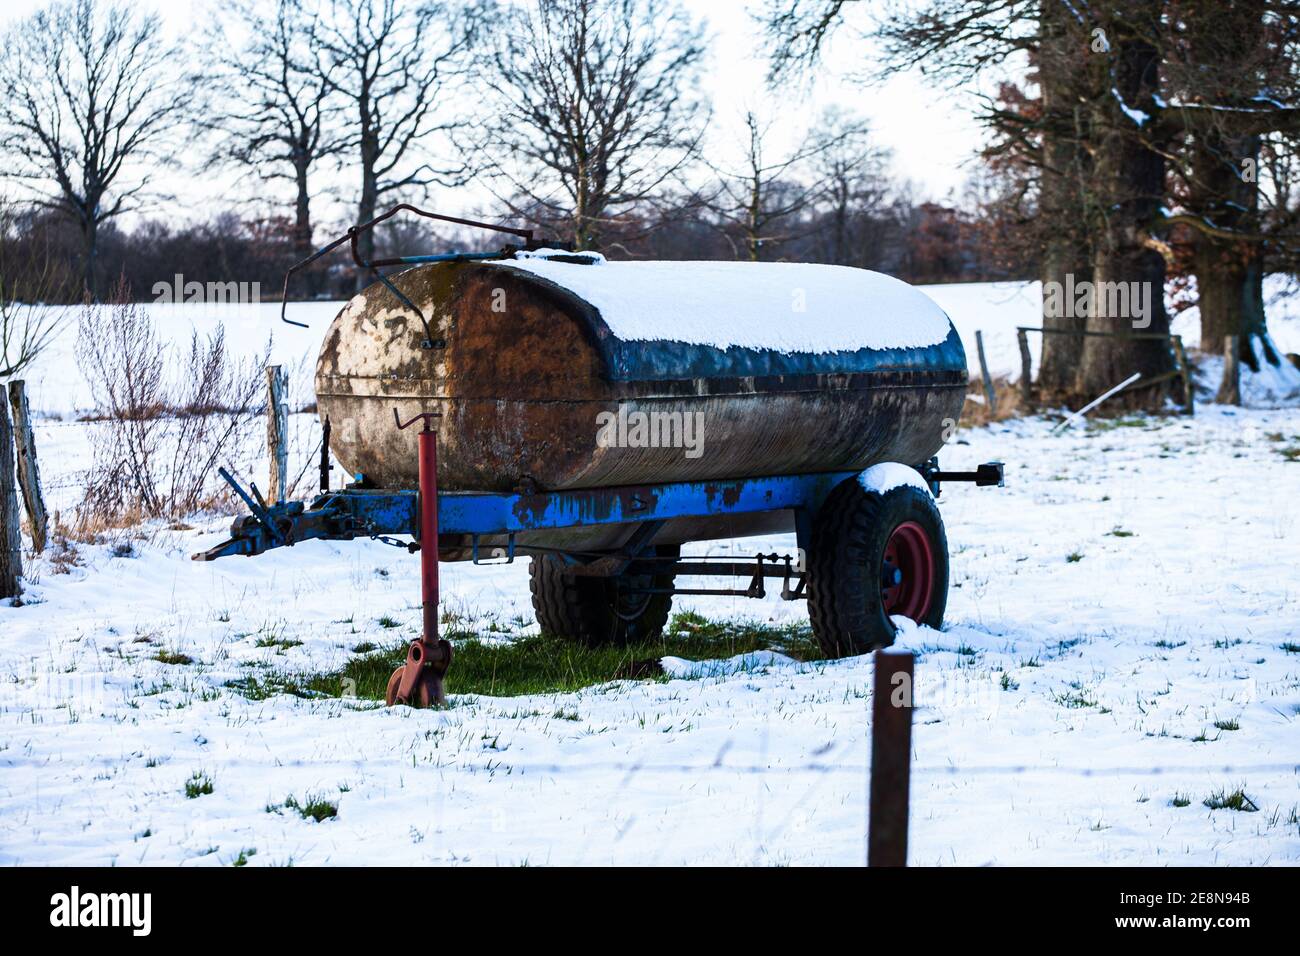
pixel 563 371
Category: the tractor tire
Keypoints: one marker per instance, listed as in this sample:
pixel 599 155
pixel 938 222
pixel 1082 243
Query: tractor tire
pixel 873 556
pixel 596 611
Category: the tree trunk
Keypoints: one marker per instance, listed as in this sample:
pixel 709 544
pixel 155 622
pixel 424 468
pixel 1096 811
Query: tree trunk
pixel 366 209
pixel 29 473
pixel 1230 272
pixel 90 249
pixel 1230 390
pixel 1064 247
pixel 11 553
pixel 302 218
pixel 1129 183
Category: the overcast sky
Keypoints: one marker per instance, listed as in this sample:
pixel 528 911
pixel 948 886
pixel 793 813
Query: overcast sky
pixel 929 130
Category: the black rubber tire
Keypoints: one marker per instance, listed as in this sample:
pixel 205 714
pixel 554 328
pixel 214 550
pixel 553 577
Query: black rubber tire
pixel 594 611
pixel 845 563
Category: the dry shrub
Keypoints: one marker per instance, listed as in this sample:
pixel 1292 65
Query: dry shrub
pixel 976 411
pixel 159 436
pixel 62 553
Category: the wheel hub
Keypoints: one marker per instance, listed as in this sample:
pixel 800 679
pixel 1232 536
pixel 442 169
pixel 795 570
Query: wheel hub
pixel 908 572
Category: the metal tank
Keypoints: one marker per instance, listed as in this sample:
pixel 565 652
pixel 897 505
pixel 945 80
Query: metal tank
pixel 541 371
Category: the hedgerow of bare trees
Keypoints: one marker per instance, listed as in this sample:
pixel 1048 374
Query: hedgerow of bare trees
pixel 88 91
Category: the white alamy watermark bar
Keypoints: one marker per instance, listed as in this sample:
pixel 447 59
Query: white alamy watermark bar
pixel 206 293
pixel 631 428
pixel 1105 300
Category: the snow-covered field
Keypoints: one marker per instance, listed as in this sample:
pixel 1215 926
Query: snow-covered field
pixel 1123 634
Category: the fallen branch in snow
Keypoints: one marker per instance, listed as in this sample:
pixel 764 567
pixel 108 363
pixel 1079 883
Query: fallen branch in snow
pixel 1074 417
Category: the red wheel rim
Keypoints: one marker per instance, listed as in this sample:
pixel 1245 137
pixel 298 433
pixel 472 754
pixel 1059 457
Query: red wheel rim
pixel 908 591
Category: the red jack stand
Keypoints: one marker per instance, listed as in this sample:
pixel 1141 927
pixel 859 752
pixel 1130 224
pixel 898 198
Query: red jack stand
pixel 418 682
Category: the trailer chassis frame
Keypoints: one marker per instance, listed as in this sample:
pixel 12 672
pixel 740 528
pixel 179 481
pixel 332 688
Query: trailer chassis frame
pixel 361 512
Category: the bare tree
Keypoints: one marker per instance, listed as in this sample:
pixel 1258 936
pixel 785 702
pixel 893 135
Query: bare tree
pixel 30 279
pixel 853 187
pixel 87 92
pixel 272 110
pixel 764 199
pixel 596 111
pixel 397 69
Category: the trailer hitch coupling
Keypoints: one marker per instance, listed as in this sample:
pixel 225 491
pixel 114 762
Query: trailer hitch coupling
pixel 418 682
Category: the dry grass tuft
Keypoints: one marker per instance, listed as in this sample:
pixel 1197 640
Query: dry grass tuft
pixel 976 413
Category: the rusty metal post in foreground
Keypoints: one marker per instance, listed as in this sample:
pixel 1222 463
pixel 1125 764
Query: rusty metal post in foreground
pixel 418 682
pixel 891 759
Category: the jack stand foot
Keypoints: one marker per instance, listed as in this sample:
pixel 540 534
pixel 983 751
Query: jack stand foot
pixel 418 682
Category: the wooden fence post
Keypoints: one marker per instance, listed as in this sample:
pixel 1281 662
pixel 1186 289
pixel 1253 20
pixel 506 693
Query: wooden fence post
pixel 1230 389
pixel 11 539
pixel 891 759
pixel 1026 369
pixel 29 473
pixel 277 432
pixel 1185 372
pixel 989 395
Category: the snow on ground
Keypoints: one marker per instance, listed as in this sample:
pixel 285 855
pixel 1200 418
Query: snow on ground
pixel 1132 586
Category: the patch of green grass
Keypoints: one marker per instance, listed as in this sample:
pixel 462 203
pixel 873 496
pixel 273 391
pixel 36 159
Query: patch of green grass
pixel 315 808
pixel 1120 533
pixel 1181 800
pixel 1074 557
pixel 1166 645
pixel 173 657
pixel 388 622
pixel 1291 647
pixel 1227 725
pixel 198 784
pixel 1236 800
pixel 284 643
pixel 242 859
pixel 544 664
pixel 1076 699
pixel 1109 424
pixel 365 647
pixel 1008 683
pixel 1292 453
